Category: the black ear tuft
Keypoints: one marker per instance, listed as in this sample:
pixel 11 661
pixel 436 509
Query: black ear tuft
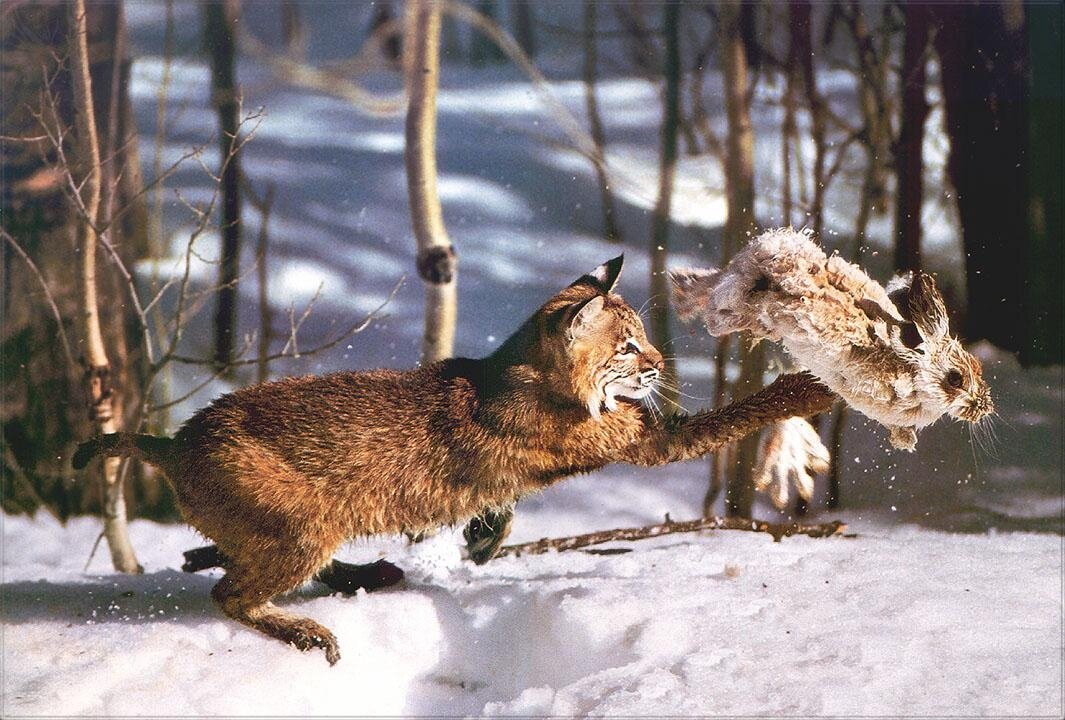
pixel 604 277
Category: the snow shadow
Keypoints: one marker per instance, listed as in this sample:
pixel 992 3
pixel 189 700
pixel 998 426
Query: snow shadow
pixel 156 597
pixel 149 598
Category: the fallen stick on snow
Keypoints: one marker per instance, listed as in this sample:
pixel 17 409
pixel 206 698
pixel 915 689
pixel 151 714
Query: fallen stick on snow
pixel 777 530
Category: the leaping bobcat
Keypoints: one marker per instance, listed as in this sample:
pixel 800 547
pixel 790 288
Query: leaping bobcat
pixel 280 474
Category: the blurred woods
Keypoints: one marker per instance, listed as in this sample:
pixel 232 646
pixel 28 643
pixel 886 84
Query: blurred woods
pixel 850 92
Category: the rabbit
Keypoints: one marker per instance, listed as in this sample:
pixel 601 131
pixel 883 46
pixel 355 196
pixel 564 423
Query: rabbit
pixel 886 351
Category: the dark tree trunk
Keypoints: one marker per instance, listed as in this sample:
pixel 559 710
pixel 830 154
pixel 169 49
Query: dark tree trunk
pixel 802 53
pixel 739 185
pixel 984 61
pixel 1044 316
pixel 595 122
pixel 908 149
pixel 219 23
pixel 667 165
pixel 523 26
pixel 293 32
pixel 749 30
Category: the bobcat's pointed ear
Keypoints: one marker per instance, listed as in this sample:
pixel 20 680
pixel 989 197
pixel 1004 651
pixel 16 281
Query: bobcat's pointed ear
pixel 586 316
pixel 604 277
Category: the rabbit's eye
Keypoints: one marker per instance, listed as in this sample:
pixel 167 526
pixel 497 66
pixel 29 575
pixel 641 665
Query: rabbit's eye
pixel 954 379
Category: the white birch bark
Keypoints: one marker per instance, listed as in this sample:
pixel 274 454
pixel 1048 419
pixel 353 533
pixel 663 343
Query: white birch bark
pixel 436 256
pixel 98 367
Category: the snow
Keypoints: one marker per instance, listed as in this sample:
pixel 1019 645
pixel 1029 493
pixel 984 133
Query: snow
pixel 947 601
pixel 899 620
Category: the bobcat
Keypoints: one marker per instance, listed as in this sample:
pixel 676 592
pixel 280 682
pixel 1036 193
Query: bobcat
pixel 280 474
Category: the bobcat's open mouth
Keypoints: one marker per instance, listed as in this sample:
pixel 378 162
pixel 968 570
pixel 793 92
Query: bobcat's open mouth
pixel 638 393
pixel 630 389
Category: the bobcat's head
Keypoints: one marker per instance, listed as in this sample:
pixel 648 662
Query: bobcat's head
pixel 591 344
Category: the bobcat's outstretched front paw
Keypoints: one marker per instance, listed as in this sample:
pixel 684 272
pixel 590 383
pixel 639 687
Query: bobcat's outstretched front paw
pixel 790 453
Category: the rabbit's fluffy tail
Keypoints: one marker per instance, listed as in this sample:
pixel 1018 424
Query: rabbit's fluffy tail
pixel 691 290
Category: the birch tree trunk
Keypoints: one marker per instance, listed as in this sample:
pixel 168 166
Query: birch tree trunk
pixel 667 166
pixel 98 368
pixel 41 409
pixel 437 265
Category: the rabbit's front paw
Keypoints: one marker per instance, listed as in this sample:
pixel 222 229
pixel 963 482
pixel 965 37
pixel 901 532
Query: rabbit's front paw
pixel 903 438
pixel 791 452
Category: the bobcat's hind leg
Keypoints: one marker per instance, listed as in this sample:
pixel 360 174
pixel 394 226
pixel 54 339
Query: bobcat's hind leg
pixel 244 594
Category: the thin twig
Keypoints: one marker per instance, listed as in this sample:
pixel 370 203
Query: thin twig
pixel 329 82
pixel 777 530
pixel 353 330
pixel 47 295
pixel 295 325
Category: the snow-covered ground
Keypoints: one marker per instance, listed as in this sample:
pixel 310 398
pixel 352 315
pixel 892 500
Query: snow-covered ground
pixel 900 620
pixel 947 602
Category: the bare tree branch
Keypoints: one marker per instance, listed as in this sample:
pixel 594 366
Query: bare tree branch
pixel 326 81
pixel 47 294
pixel 575 542
pixel 352 330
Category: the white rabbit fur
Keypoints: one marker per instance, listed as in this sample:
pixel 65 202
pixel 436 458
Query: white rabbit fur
pixel 887 352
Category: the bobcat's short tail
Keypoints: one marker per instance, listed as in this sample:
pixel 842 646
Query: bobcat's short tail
pixel 150 448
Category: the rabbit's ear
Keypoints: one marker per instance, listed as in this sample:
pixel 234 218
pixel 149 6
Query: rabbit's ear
pixel 926 307
pixel 898 291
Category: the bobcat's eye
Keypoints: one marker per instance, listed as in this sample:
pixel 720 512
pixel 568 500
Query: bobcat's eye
pixel 954 379
pixel 630 348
